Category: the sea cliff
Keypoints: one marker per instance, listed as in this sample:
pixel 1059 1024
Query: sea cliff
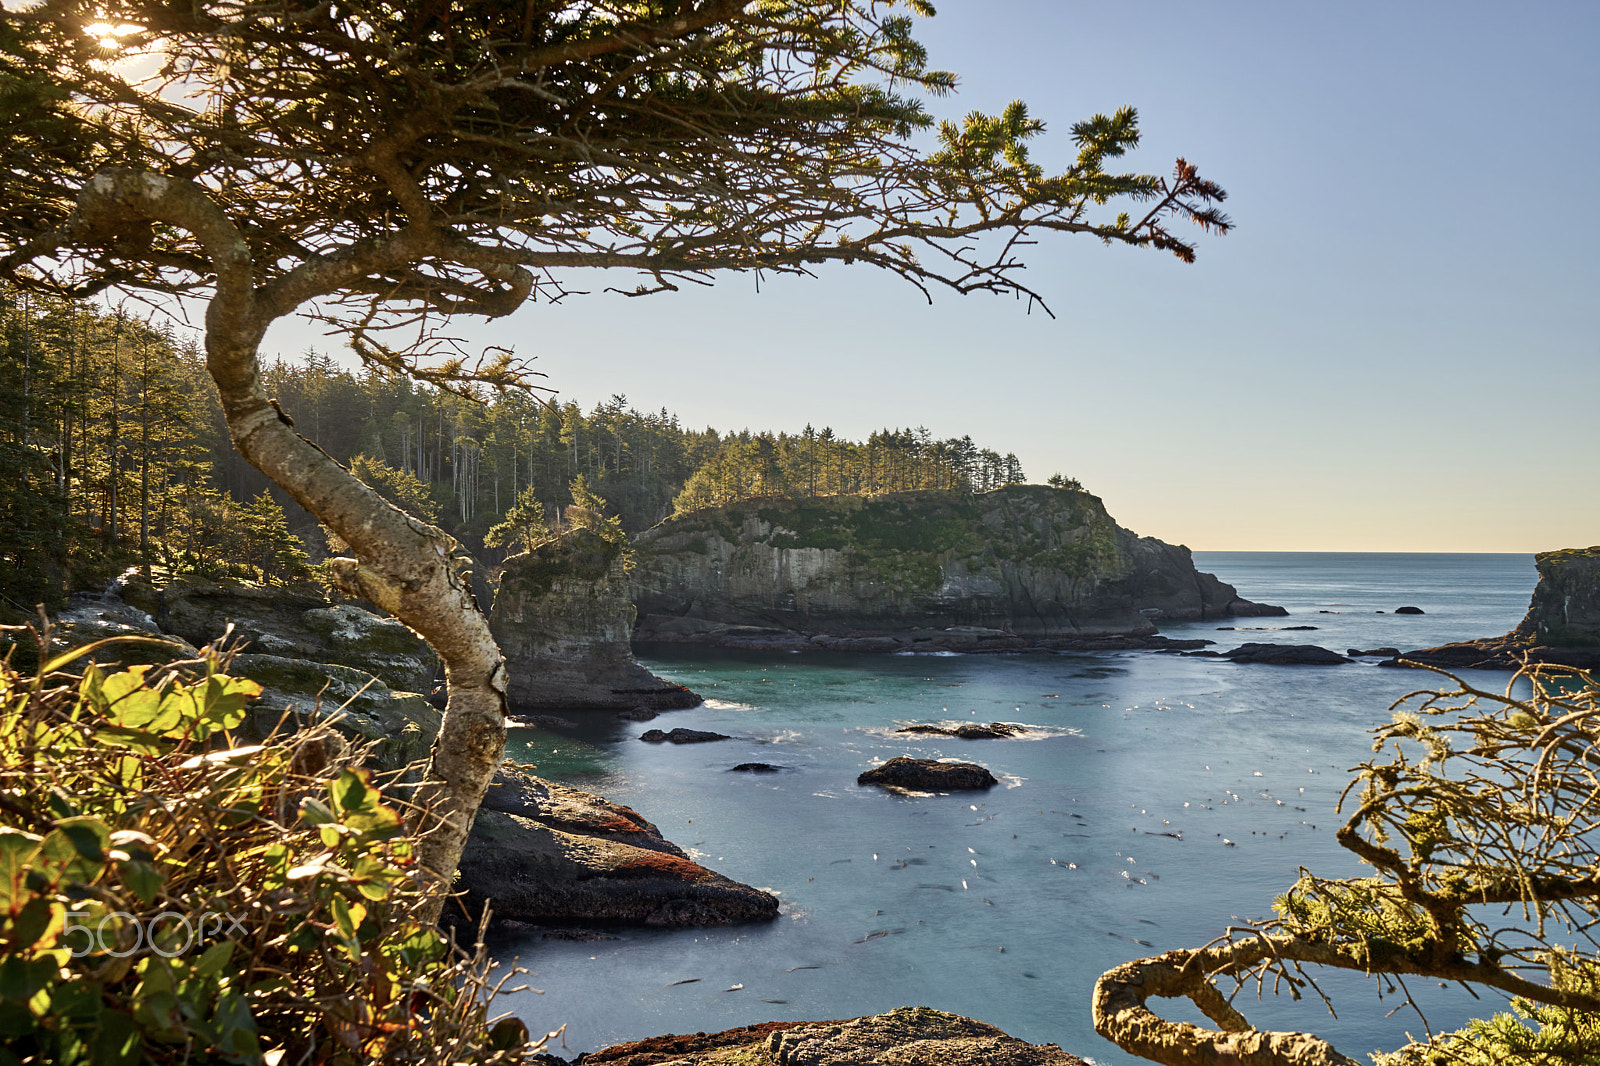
pixel 562 617
pixel 1028 561
pixel 1561 628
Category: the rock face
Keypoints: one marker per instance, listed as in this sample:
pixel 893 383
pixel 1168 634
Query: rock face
pixel 542 852
pixel 928 775
pixel 563 619
pixel 1565 611
pixel 292 623
pixel 1561 628
pixel 400 726
pixel 907 1036
pixel 1025 561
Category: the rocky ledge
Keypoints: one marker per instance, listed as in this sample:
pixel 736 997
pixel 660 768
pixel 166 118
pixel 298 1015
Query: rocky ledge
pixel 563 620
pixel 543 853
pixel 928 775
pixel 1561 628
pixel 908 1036
pixel 995 571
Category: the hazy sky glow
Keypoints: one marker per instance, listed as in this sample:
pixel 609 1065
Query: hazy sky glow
pixel 1397 350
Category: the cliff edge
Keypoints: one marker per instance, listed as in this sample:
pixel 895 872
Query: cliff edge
pixel 1025 560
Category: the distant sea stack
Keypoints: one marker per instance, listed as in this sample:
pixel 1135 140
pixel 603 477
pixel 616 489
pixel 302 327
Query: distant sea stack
pixel 1025 561
pixel 1561 628
pixel 562 618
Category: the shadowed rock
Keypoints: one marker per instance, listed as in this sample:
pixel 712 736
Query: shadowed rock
pixel 928 775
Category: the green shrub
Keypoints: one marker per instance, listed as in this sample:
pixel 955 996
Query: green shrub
pixel 167 896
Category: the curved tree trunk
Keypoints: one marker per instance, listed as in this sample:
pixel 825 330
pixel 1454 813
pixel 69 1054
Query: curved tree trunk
pixel 402 565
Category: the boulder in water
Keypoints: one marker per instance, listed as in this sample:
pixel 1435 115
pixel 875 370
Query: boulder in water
pixel 928 775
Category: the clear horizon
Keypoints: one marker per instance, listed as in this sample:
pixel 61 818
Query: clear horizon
pixel 1378 359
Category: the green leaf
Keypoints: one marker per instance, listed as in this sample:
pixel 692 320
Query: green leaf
pixel 18 850
pixel 214 958
pixel 141 879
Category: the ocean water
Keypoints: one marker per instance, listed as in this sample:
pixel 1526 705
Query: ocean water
pixel 1154 801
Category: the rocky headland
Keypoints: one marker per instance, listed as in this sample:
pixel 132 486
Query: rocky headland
pixel 563 619
pixel 1022 567
pixel 1561 628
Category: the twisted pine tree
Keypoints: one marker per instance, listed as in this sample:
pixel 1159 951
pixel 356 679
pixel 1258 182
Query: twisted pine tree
pixel 384 165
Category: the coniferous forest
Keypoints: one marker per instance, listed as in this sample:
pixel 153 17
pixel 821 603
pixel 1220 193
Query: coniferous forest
pixel 114 453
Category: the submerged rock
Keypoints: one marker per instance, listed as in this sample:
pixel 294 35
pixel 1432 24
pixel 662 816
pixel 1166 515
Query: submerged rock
pixel 1407 610
pixel 992 731
pixel 907 1036
pixel 987 571
pixel 682 736
pixel 754 768
pixel 563 619
pixel 542 852
pixel 928 775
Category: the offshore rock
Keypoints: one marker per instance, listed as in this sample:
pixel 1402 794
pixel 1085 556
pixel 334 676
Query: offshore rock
pixel 682 736
pixel 563 620
pixel 928 775
pixel 1561 628
pixel 1284 655
pixel 907 1036
pixel 991 571
pixel 992 731
pixel 541 852
pixel 296 622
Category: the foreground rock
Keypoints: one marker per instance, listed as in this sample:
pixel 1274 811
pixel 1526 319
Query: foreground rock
pixel 397 727
pixel 292 623
pixel 928 775
pixel 1561 628
pixel 992 731
pixel 541 852
pixel 563 620
pixel 908 1036
pixel 993 571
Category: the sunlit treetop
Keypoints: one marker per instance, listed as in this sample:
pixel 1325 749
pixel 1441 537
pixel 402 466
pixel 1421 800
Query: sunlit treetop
pixel 398 162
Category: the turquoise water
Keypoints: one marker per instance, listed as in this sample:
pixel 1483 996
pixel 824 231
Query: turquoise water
pixel 1155 800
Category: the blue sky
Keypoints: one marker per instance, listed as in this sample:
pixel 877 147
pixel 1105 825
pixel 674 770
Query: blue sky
pixel 1398 349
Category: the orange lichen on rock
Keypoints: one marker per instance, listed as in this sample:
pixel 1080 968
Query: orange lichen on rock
pixel 663 865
